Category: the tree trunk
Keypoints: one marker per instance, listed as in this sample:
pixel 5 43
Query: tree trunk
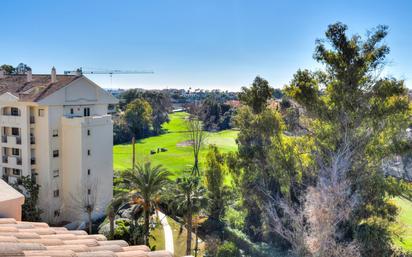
pixel 111 219
pixel 146 226
pixel 196 166
pixel 90 222
pixel 189 226
pixel 197 240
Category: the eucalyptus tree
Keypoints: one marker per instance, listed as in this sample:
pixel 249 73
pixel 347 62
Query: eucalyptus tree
pixel 349 99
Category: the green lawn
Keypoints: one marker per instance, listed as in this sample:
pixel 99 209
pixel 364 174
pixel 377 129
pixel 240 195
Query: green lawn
pixel 405 223
pixel 177 158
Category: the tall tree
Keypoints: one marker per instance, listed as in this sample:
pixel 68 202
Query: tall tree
pixel 159 101
pixel 259 127
pixel 189 198
pixel 197 137
pixel 214 180
pixel 148 183
pixel 348 99
pixel 161 106
pixel 138 117
pixel 257 95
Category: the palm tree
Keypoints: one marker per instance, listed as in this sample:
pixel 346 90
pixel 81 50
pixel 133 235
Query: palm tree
pixel 147 183
pixel 112 208
pixel 188 199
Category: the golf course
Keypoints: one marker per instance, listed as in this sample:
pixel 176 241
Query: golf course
pixel 179 157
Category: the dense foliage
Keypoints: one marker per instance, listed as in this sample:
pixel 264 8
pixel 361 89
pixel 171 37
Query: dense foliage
pixel 144 113
pixel 27 186
pixel 353 119
pixel 216 114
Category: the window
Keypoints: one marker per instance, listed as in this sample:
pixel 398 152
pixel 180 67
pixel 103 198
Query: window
pixel 71 111
pixel 55 153
pixel 15 131
pixel 16 172
pixel 88 171
pixel 55 173
pixel 89 191
pixel 56 213
pixel 86 111
pixel 41 112
pixel 15 151
pixel 14 111
pixel 88 152
pixel 88 132
pixel 55 132
pixel 56 193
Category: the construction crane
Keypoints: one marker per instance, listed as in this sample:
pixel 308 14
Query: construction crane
pixel 80 71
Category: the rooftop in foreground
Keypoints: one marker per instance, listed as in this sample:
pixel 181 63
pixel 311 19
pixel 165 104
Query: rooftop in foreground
pixel 19 238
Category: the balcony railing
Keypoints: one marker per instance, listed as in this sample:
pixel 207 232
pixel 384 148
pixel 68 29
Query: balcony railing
pixel 5 159
pixel 32 120
pixel 4 139
pixel 32 140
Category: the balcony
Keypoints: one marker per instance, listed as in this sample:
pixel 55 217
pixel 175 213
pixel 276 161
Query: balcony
pixel 11 121
pixel 12 161
pixel 11 140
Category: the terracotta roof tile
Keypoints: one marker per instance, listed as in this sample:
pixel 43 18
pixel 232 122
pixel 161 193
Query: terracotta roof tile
pixel 40 240
pixel 132 254
pixel 97 254
pixel 7 221
pixel 122 243
pixel 53 253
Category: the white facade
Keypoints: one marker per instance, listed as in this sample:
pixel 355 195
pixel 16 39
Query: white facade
pixel 65 141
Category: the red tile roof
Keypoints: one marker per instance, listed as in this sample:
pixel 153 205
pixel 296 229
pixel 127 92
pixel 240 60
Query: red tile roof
pixel 38 239
pixel 38 88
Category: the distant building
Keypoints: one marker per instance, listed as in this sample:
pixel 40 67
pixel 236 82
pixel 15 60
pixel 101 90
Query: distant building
pixel 56 129
pixel 115 92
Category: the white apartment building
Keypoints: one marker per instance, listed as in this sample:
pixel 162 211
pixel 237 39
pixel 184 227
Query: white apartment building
pixel 56 129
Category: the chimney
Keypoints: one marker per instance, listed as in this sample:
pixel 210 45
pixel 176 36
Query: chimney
pixel 29 75
pixel 1 73
pixel 53 75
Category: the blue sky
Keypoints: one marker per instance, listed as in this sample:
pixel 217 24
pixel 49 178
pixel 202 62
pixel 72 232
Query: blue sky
pixel 203 44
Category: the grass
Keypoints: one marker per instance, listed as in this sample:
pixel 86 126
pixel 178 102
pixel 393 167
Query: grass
pixel 405 222
pixel 177 158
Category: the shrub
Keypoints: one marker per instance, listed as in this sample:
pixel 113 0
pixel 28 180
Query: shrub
pixel 228 249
